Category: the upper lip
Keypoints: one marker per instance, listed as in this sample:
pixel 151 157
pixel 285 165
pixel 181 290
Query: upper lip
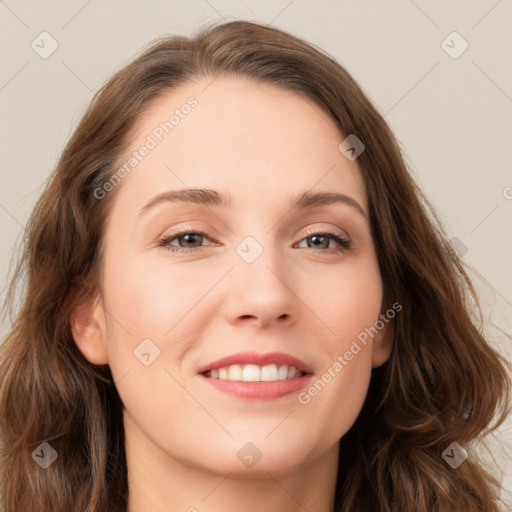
pixel 243 358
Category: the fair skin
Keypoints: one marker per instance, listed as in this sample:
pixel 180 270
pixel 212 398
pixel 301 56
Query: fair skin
pixel 263 146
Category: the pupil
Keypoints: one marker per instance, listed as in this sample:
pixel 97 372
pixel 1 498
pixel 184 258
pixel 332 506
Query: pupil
pixel 188 238
pixel 316 237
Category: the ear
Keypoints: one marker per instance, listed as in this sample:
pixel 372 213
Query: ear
pixel 382 344
pixel 87 322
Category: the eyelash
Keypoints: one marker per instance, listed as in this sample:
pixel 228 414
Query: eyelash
pixel 343 243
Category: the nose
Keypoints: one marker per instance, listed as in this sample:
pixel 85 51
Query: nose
pixel 262 292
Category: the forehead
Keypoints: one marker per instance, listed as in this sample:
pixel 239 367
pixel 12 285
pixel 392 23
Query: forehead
pixel 249 139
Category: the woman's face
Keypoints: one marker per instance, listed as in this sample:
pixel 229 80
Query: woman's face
pixel 252 274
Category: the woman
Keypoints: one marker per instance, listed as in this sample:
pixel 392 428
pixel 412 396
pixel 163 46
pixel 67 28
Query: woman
pixel 236 300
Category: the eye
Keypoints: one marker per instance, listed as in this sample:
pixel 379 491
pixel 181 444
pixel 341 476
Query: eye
pixel 323 239
pixel 190 240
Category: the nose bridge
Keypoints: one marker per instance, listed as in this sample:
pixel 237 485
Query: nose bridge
pixel 261 262
pixel 261 282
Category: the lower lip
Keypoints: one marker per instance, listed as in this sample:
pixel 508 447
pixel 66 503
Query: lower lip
pixel 260 390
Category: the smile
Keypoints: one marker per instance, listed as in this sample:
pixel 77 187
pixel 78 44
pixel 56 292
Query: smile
pixel 254 373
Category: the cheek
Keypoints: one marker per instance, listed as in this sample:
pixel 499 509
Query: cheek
pixel 347 302
pixel 337 392
pixel 151 300
pixel 336 395
pixel 151 312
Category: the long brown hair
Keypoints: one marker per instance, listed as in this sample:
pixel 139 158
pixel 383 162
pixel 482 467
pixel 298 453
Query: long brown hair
pixel 442 384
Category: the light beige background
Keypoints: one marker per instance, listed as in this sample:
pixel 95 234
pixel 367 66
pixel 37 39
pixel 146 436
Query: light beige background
pixel 453 116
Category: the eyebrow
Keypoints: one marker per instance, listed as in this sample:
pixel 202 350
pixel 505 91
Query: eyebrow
pixel 209 197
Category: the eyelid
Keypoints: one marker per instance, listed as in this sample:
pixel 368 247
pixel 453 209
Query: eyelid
pixel 330 231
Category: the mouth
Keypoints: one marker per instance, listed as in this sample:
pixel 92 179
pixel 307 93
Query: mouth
pixel 257 376
pixel 254 373
pixel 254 367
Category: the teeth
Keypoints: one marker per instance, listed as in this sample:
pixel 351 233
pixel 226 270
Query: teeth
pixel 254 373
pixel 251 373
pixel 283 372
pixel 270 372
pixel 235 372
